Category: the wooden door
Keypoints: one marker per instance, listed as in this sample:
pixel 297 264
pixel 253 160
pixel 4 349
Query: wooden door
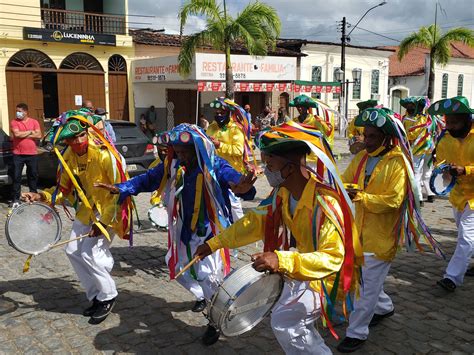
pixel 26 87
pixel 184 102
pixel 90 86
pixel 118 96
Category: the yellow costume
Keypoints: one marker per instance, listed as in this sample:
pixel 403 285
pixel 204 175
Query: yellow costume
pixel 308 262
pixel 353 131
pixel 378 206
pixel 318 123
pixel 231 146
pixel 418 134
pixel 455 151
pixel 96 165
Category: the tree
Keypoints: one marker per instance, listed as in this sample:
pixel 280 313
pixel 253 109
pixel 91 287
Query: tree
pixel 438 44
pixel 257 27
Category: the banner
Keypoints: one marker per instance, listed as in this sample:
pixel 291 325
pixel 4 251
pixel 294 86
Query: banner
pixel 268 87
pixel 68 36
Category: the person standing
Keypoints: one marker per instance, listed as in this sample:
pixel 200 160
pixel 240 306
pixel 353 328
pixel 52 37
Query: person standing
pixel 356 134
pixel 304 104
pixel 456 148
pixel 104 125
pixel 25 131
pixel 420 131
pixel 248 113
pixel 151 118
pixel 203 123
pixel 282 116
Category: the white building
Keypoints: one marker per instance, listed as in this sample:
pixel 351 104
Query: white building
pixel 409 77
pixel 323 59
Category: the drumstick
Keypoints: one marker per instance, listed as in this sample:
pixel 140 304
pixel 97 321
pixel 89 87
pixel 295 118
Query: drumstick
pixel 68 241
pixel 191 263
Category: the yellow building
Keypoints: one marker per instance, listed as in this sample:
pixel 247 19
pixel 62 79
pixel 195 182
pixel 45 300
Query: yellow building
pixel 56 53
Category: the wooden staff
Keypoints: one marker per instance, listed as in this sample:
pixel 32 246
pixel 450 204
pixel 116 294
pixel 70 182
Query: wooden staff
pixel 191 263
pixel 68 241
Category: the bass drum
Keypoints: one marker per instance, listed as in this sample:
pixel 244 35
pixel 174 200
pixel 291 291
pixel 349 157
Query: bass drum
pixel 243 300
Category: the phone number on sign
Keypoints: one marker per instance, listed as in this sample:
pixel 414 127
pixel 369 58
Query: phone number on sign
pixel 236 76
pixel 156 77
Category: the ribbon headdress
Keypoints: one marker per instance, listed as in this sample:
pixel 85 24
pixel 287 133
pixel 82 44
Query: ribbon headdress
pixel 410 226
pixel 209 197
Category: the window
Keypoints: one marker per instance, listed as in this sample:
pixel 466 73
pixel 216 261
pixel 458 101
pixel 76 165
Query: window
pixel 444 87
pixel 316 76
pixel 460 84
pixel 334 78
pixel 356 89
pixel 374 84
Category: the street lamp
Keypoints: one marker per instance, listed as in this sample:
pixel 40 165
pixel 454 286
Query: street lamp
pixel 344 39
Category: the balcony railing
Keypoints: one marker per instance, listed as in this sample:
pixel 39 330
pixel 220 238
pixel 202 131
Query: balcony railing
pixel 82 21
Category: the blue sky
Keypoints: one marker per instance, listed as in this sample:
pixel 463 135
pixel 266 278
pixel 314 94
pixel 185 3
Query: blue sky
pixel 317 19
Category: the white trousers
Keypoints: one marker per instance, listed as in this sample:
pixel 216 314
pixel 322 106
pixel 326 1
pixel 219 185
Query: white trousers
pixel 462 255
pixel 92 262
pixel 293 318
pixel 422 175
pixel 372 298
pixel 207 272
pixel 237 213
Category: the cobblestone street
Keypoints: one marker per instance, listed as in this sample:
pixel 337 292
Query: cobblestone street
pixel 153 314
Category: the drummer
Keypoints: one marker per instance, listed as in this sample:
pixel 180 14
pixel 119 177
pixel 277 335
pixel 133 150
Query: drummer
pixel 301 206
pixel 386 213
pixel 456 148
pixel 90 257
pixel 421 134
pixel 354 133
pixel 304 104
pixel 198 198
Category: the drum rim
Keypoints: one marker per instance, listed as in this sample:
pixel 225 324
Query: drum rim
pixel 7 234
pixel 232 298
pixel 437 171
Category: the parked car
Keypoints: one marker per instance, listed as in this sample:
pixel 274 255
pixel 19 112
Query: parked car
pixel 131 143
pixel 6 159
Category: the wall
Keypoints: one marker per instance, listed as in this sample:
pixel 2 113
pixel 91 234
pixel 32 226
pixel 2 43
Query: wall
pixel 329 57
pixel 114 7
pixel 455 67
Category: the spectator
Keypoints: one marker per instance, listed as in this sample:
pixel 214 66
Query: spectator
pixel 105 126
pixel 150 117
pixel 88 105
pixel 267 118
pixel 25 130
pixel 143 123
pixel 247 110
pixel 282 116
pixel 203 123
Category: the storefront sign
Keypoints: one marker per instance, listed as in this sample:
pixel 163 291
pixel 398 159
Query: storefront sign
pixel 210 66
pixel 64 36
pixel 156 70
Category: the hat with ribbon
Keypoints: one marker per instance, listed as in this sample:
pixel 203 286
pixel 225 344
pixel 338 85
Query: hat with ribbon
pixel 366 104
pixel 381 118
pixel 453 106
pixel 303 101
pixel 70 124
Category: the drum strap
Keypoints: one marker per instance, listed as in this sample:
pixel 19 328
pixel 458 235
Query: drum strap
pixel 359 168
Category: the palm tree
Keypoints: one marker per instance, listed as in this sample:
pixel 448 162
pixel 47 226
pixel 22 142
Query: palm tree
pixel 257 27
pixel 439 45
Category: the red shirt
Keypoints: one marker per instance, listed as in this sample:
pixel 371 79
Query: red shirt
pixel 24 146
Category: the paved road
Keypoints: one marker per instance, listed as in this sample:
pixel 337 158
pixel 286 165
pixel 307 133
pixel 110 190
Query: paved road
pixel 152 313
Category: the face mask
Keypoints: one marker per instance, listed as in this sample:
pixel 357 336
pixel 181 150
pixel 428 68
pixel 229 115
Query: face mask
pixel 79 148
pixel 20 115
pixel 379 149
pixel 274 178
pixel 411 111
pixel 220 118
pixel 459 133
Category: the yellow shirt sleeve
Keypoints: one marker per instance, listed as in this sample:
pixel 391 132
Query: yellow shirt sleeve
pixel 469 169
pixel 235 145
pixel 110 206
pixel 249 229
pixel 394 191
pixel 325 261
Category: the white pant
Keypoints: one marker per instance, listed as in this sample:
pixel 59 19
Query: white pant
pixel 372 297
pixel 237 213
pixel 422 175
pixel 208 272
pixel 293 318
pixel 462 255
pixel 92 261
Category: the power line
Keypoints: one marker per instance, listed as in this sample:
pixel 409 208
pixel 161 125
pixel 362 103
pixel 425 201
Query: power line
pixel 378 34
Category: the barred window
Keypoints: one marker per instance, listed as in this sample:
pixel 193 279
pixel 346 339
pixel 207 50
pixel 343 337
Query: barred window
pixel 460 84
pixel 444 86
pixel 334 76
pixel 374 85
pixel 316 76
pixel 356 89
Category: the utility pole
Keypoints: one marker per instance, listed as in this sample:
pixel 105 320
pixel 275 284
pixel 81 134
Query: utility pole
pixel 343 65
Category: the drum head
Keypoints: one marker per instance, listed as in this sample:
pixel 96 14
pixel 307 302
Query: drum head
pixel 158 215
pixel 253 296
pixel 441 182
pixel 32 228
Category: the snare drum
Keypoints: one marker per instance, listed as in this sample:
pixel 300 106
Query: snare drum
pixel 355 146
pixel 243 300
pixel 158 216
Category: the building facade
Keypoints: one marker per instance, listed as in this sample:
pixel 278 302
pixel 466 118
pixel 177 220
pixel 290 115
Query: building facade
pixel 409 77
pixel 54 54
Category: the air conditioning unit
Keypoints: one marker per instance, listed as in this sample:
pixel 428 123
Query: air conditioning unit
pixel 375 97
